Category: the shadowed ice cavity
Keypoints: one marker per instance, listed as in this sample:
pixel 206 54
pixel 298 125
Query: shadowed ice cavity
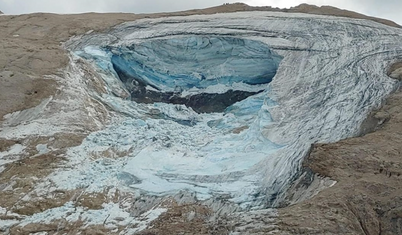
pixel 207 74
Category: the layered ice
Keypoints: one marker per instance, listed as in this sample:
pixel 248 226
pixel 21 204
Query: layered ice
pixel 205 73
pixel 196 62
pixel 327 74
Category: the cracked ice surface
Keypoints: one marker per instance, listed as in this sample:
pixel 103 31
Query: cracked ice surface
pixel 197 62
pixel 331 76
pixel 205 73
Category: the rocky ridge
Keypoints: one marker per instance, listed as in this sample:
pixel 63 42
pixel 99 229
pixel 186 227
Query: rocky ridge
pixel 302 8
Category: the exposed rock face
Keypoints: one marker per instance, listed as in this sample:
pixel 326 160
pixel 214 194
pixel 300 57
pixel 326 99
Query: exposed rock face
pixel 396 71
pixel 367 198
pixel 87 159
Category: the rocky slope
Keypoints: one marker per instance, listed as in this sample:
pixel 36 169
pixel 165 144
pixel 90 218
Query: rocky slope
pixel 51 174
pixel 366 199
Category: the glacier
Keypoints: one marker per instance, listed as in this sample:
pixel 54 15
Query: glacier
pixel 293 80
pixel 204 73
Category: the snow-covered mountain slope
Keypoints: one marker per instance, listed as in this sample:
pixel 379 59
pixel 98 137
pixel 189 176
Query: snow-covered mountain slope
pixel 330 76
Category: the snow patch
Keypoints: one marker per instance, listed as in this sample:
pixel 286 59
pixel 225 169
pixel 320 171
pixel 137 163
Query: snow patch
pixel 11 155
pixel 111 215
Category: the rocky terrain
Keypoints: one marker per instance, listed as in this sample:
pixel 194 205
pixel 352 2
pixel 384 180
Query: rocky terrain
pixel 38 85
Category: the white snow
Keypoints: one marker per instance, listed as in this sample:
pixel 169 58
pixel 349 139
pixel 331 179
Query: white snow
pixel 6 223
pixel 42 149
pixel 111 215
pixel 11 155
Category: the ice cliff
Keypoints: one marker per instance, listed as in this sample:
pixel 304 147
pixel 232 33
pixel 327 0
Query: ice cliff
pixel 226 106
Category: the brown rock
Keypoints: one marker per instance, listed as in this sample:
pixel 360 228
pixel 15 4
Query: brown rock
pixel 367 198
